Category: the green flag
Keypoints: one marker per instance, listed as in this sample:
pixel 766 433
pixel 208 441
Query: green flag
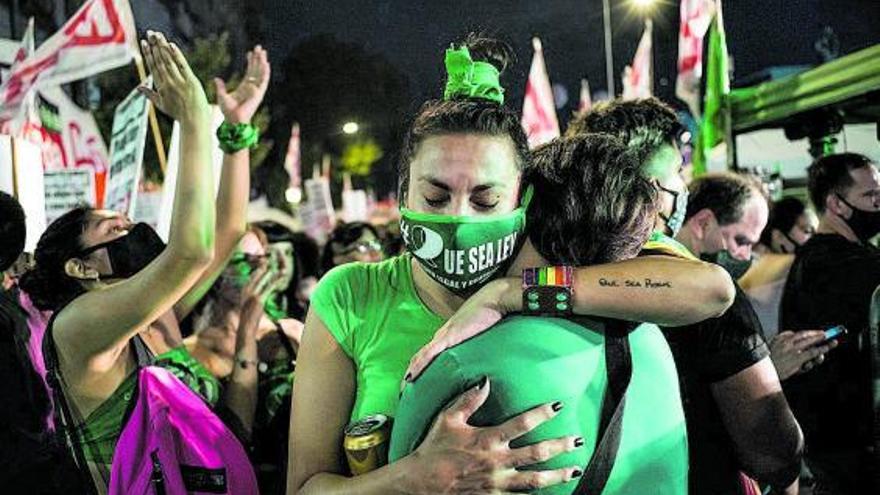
pixel 717 88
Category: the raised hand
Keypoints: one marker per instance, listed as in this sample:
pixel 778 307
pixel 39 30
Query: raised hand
pixel 240 105
pixel 176 91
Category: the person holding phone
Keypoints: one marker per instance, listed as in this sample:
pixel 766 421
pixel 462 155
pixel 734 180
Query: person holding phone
pixel 831 283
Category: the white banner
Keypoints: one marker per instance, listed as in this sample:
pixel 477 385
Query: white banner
pixel 100 36
pixel 169 186
pixel 21 175
pixel 127 143
pixel 67 189
pixel 81 143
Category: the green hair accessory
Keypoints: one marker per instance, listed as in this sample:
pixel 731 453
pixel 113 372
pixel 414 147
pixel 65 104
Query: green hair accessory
pixel 470 79
pixel 236 137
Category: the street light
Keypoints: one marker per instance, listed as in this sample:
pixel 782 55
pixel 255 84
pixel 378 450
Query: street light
pixel 350 128
pixel 644 4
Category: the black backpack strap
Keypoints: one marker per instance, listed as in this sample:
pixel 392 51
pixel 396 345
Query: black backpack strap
pixel 618 364
pixel 64 417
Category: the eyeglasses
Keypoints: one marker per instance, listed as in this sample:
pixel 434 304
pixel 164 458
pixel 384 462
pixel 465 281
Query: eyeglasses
pixel 362 247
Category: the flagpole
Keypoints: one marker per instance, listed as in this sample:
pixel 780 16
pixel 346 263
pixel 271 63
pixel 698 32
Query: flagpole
pixel 154 122
pixel 609 55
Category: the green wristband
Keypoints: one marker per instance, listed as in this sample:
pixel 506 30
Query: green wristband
pixel 236 137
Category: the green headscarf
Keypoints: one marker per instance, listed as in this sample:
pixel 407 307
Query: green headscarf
pixel 471 79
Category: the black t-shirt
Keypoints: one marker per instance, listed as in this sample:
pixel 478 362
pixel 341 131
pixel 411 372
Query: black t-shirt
pixel 28 459
pixel 831 283
pixel 705 353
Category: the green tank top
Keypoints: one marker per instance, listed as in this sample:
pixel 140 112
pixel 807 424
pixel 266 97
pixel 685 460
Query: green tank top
pixel 374 313
pixel 533 361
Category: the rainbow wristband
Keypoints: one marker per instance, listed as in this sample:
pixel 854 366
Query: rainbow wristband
pixel 236 137
pixel 547 291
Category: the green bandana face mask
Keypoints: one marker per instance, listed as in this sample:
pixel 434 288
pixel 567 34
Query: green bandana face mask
pixel 464 253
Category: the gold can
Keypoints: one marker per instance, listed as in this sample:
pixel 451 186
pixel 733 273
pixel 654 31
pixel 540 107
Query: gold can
pixel 366 443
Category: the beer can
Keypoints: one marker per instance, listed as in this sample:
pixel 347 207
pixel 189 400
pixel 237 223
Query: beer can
pixel 366 443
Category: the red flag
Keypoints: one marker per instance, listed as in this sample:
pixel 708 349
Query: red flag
pixel 539 109
pixel 586 100
pixel 99 37
pixel 695 18
pixel 638 78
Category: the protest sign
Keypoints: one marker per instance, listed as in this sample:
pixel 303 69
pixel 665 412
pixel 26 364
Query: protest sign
pixel 127 142
pixel 319 218
pixel 67 189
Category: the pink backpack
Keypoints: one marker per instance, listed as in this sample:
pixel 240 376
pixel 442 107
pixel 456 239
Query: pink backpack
pixel 173 444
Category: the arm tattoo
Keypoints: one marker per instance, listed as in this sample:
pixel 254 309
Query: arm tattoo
pixel 642 284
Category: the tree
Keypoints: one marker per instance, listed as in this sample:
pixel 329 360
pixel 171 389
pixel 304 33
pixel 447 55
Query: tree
pixel 326 83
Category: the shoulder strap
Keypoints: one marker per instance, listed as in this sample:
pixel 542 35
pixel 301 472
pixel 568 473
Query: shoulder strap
pixel 64 416
pixel 618 364
pixel 143 356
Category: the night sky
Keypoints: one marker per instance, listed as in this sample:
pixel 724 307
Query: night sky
pixel 413 33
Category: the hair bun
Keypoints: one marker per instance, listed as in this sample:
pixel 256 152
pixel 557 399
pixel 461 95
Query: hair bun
pixel 491 50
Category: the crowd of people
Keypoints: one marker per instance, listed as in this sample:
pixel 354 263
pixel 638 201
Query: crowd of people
pixel 576 318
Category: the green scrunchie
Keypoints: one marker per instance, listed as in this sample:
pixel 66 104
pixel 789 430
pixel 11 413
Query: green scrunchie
pixel 471 79
pixel 236 137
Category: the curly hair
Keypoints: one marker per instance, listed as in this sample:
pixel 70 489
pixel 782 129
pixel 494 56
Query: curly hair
pixel 644 125
pixel 47 284
pixel 591 204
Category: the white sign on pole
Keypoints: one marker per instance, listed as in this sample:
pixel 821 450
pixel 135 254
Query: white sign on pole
pixel 21 175
pixel 166 208
pixel 322 217
pixel 67 189
pixel 355 207
pixel 127 152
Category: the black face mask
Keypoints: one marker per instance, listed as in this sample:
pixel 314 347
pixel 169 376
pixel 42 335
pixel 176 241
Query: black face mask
pixel 130 253
pixel 735 267
pixel 784 248
pixel 865 224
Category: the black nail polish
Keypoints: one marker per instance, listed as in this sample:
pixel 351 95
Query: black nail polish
pixel 556 406
pixel 579 442
pixel 577 473
pixel 483 383
pixel 408 378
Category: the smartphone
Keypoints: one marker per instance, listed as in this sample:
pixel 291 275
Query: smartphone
pixel 835 332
